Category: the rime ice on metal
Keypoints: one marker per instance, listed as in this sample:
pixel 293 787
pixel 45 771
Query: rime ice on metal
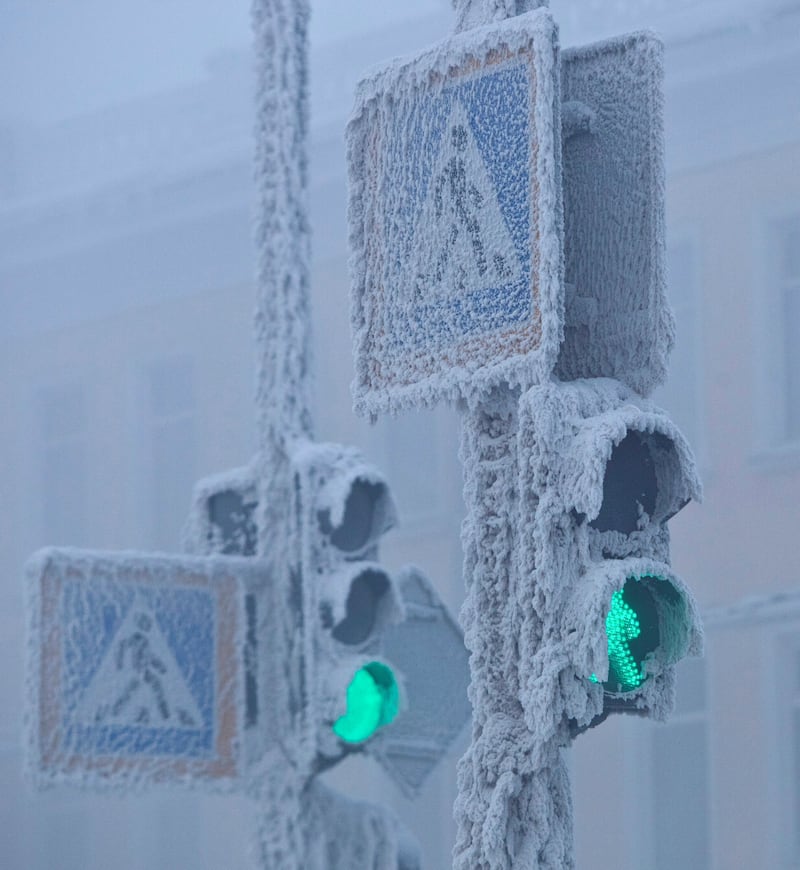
pixel 617 321
pixel 455 218
pixel 437 232
pixel 542 564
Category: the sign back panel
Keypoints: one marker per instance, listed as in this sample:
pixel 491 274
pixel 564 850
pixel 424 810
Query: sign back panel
pixel 137 668
pixel 455 218
pixel 428 649
pixel 618 323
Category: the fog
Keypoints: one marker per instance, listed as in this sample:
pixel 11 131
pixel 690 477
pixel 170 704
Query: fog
pixel 127 372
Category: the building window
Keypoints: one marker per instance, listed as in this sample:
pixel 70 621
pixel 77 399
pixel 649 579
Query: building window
pixel 681 394
pixel 680 766
pixel 787 237
pixel 63 464
pixel 171 411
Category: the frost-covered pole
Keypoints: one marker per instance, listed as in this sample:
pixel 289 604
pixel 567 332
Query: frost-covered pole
pixel 282 228
pixel 514 807
pixel 283 366
pixel 472 13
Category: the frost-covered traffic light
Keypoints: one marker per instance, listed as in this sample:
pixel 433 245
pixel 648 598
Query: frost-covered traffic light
pixel 347 637
pixel 602 471
pixel 342 506
pixel 363 662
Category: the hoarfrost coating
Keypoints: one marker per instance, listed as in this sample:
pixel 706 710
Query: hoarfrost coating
pixel 540 572
pixel 472 13
pixel 467 270
pixel 455 218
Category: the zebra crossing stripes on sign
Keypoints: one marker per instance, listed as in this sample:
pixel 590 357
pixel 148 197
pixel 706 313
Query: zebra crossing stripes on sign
pixel 456 218
pixel 137 666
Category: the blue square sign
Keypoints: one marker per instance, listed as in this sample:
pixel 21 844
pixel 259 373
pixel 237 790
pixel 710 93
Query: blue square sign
pixel 136 667
pixel 455 216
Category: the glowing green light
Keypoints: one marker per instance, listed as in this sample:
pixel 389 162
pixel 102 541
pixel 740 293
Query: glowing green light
pixel 622 626
pixel 632 633
pixel 373 700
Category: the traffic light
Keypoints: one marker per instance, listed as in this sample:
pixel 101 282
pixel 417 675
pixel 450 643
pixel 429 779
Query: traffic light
pixel 341 508
pixel 222 518
pixel 602 471
pixel 323 684
pixel 341 535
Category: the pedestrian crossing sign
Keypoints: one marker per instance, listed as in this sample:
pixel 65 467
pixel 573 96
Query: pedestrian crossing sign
pixel 136 669
pixel 455 217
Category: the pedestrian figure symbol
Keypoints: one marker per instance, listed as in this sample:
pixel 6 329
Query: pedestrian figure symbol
pixel 139 682
pixel 146 668
pixel 463 243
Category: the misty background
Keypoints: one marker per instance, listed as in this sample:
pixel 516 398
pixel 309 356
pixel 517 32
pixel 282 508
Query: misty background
pixel 127 372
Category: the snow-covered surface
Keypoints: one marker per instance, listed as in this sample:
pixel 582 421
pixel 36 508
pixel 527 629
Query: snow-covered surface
pixel 458 282
pixel 282 326
pixel 474 13
pixel 355 835
pixel 427 648
pixel 539 579
pixel 455 217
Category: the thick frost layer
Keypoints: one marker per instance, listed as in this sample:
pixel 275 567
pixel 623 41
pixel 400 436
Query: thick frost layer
pixel 455 218
pixel 540 578
pixel 473 13
pixel 618 323
pixel 514 807
pixel 457 272
pixel 222 515
pixel 283 385
pixel 344 834
pixel 567 434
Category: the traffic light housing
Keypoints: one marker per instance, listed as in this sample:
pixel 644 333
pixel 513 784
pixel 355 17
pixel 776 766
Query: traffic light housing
pixel 222 517
pixel 602 471
pixel 341 507
pixel 329 485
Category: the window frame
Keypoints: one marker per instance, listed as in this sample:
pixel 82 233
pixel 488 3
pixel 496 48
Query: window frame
pixel 785 670
pixel 143 445
pixel 690 236
pixel 44 444
pixel 773 449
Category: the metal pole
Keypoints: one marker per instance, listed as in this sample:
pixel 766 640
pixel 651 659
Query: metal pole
pixel 282 318
pixel 473 13
pixel 514 806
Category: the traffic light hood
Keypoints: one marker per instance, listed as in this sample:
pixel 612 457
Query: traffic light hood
pixel 605 446
pixel 353 503
pixel 358 603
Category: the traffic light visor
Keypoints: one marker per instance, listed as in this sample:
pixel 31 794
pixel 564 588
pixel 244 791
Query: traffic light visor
pixel 373 700
pixel 358 603
pixel 363 511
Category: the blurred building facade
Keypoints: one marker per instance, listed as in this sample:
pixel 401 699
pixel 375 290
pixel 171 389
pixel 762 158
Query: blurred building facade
pixel 127 372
